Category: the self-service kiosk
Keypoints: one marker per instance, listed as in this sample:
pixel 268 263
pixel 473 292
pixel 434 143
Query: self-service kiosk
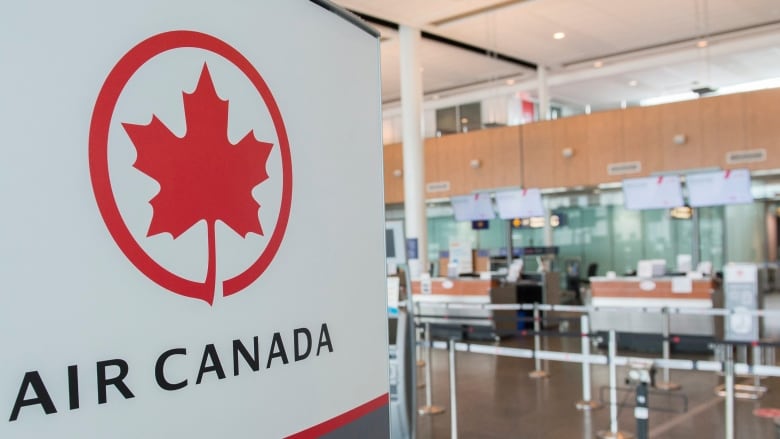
pixel 741 294
pixel 403 384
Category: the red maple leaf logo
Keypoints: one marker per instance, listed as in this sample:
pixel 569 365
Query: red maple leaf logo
pixel 202 176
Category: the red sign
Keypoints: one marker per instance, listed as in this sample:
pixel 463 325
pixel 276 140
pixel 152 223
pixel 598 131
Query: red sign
pixel 203 176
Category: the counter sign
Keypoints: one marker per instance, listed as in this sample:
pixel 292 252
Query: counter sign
pixel 203 175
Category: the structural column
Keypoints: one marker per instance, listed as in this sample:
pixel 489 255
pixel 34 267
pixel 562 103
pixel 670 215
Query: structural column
pixel 544 114
pixel 544 93
pixel 414 159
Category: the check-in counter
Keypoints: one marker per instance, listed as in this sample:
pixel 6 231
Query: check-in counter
pixel 468 290
pixel 637 293
pixel 545 289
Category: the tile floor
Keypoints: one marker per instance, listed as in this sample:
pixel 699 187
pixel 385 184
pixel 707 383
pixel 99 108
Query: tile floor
pixel 497 399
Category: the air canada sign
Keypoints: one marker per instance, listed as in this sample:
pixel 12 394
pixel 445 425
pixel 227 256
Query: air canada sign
pixel 191 242
pixel 170 176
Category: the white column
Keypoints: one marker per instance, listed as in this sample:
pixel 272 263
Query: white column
pixel 544 93
pixel 544 114
pixel 412 135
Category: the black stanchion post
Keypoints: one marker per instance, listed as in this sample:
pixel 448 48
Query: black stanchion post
pixel 641 411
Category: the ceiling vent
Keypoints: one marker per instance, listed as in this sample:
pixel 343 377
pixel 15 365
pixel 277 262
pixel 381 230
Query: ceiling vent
pixel 624 168
pixel 748 156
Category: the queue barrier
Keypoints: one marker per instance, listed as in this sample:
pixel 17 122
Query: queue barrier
pixel 724 350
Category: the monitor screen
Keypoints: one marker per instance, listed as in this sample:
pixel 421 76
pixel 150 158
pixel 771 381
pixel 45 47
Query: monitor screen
pixel 473 207
pixel 392 330
pixel 719 188
pixel 520 203
pixel 661 192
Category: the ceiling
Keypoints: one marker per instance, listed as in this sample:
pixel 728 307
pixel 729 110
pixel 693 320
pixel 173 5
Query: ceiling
pixel 613 51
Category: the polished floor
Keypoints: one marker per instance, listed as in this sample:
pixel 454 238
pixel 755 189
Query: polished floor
pixel 497 399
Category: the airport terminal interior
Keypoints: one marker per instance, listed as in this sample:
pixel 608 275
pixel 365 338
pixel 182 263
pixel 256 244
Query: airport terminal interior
pixel 582 214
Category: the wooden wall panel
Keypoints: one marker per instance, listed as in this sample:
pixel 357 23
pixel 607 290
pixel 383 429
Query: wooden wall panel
pixel 722 128
pixel 605 145
pixel 571 132
pixel 762 126
pixel 642 139
pixel 681 118
pixel 394 186
pixel 531 155
pixel 498 150
pixel 439 159
pixel 538 155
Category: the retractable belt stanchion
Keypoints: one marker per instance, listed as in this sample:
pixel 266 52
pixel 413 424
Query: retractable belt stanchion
pixel 420 361
pixel 587 403
pixel 418 345
pixel 538 372
pixel 728 366
pixel 666 384
pixel 429 408
pixel 757 360
pixel 613 432
pixel 453 394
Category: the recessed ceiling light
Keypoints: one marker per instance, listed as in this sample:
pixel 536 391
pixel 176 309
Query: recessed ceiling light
pixel 559 35
pixel 598 64
pixel 633 83
pixel 702 44
pixel 435 97
pixel 510 81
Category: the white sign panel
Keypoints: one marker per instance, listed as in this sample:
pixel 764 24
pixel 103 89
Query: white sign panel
pixel 461 256
pixel 652 192
pixel 473 207
pixel 166 180
pixel 719 188
pixel 521 203
pixel 740 295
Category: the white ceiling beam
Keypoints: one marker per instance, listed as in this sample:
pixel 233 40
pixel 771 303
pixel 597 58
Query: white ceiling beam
pixel 680 53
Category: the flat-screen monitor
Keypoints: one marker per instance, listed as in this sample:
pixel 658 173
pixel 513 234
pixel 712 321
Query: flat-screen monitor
pixel 394 242
pixel 520 203
pixel 392 330
pixel 719 188
pixel 663 192
pixel 473 207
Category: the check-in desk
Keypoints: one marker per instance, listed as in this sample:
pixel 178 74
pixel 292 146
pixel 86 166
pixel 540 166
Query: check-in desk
pixel 641 330
pixel 543 288
pixel 468 290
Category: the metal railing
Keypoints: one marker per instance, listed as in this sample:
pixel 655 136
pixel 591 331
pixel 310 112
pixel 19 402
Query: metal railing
pixel 725 364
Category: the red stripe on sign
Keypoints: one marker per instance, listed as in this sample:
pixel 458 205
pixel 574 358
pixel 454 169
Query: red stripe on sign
pixel 728 173
pixel 525 191
pixel 660 179
pixel 342 419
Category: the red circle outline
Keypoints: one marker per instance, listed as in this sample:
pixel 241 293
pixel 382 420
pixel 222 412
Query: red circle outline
pixel 100 125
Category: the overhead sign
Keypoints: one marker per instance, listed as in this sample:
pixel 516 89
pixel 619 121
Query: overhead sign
pixel 473 207
pixel 661 192
pixel 719 188
pixel 157 204
pixel 521 203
